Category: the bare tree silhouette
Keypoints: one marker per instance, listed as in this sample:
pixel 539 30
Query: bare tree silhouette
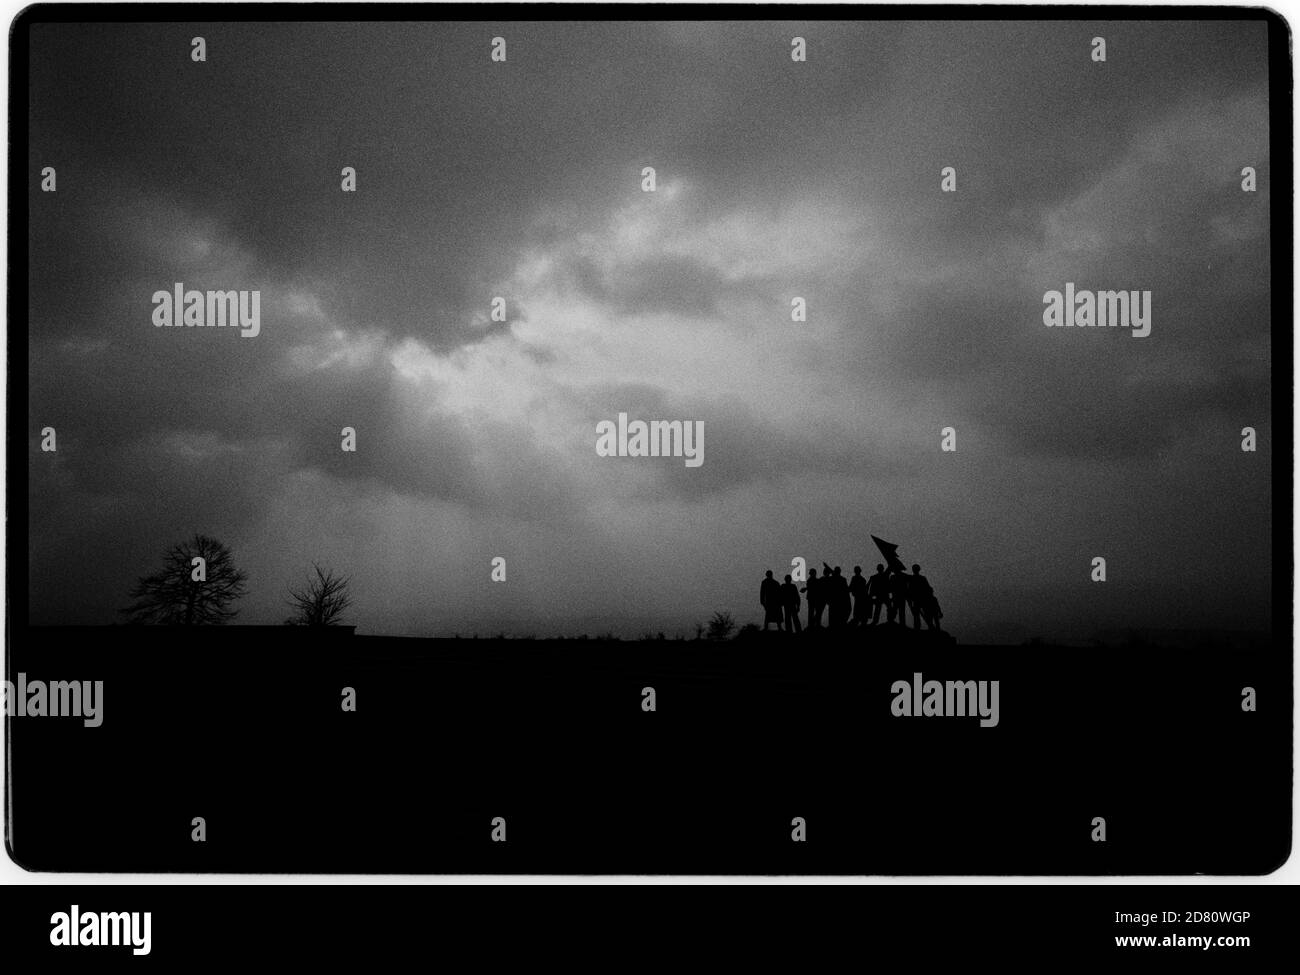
pixel 720 626
pixel 187 591
pixel 322 601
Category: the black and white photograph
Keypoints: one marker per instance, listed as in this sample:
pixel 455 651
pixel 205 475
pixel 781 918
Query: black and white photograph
pixel 634 441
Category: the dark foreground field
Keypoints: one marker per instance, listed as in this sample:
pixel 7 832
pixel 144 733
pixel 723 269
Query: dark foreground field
pixel 243 726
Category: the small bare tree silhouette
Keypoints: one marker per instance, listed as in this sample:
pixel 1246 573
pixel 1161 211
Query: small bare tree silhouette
pixel 720 626
pixel 322 601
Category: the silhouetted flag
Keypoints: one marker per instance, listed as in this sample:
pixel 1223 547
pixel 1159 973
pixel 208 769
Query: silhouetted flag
pixel 890 552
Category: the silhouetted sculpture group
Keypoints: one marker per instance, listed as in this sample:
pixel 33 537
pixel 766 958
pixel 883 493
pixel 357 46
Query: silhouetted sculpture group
pixel 850 603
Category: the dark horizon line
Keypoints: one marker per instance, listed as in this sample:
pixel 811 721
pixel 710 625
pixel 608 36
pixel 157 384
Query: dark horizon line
pixel 1115 638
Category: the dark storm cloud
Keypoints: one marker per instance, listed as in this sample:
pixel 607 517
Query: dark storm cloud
pixel 741 448
pixel 522 180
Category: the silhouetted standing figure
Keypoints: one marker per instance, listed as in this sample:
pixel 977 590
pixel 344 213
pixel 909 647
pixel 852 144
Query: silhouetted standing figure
pixel 921 596
pixel 861 601
pixel 769 597
pixel 814 591
pixel 898 597
pixel 826 590
pixel 790 604
pixel 878 591
pixel 838 599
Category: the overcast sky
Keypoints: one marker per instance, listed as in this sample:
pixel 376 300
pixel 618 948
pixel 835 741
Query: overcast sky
pixel 775 179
